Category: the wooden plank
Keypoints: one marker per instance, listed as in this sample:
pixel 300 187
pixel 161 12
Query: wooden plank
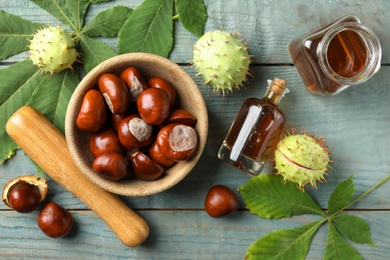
pixel 174 235
pixel 355 124
pixel 267 26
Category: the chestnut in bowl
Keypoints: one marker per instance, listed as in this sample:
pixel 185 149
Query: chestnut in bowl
pixel 188 97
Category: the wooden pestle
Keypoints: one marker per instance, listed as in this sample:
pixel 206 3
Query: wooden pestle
pixel 46 145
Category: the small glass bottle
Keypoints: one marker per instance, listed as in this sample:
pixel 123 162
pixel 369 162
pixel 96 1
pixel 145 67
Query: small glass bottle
pixel 338 55
pixel 256 130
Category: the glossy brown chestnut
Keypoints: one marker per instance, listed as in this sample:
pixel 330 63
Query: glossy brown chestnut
pixel 153 106
pixel 177 142
pixel 144 168
pixel 24 197
pixel 115 92
pixel 156 155
pixel 164 85
pixel 115 119
pixel 105 141
pixel 54 220
pixel 134 81
pixel 181 116
pixel 134 133
pixel 92 115
pixel 24 193
pixel 112 166
pixel 220 201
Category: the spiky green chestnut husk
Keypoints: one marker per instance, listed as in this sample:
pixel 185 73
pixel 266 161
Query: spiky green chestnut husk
pixel 52 49
pixel 302 159
pixel 222 60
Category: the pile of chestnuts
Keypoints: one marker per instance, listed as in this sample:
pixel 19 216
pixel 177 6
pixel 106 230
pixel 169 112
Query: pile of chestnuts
pixel 25 193
pixel 136 128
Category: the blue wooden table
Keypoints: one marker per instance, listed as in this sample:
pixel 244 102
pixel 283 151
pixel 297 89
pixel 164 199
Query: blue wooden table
pixel 356 124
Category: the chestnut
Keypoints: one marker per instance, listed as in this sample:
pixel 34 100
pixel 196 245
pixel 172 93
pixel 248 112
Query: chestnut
pixel 181 116
pixel 134 133
pixel 156 155
pixel 144 168
pixel 164 85
pixel 115 119
pixel 24 193
pixel 220 201
pixel 134 81
pixel 153 106
pixel 92 115
pixel 54 220
pixel 177 142
pixel 114 91
pixel 105 141
pixel 112 166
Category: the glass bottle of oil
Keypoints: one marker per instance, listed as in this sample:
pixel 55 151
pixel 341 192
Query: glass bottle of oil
pixel 254 134
pixel 338 55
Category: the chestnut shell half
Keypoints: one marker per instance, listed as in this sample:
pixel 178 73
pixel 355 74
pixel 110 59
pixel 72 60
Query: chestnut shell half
pixel 39 183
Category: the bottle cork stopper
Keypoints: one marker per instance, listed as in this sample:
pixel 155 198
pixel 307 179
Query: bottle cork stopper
pixel 278 86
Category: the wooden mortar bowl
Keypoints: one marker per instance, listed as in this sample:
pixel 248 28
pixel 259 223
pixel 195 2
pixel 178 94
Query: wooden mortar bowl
pixel 188 95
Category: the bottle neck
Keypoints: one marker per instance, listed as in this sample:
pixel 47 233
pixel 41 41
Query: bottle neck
pixel 276 90
pixel 273 97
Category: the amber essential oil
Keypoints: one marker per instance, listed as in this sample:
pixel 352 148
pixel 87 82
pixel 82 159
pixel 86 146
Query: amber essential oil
pixel 254 134
pixel 336 56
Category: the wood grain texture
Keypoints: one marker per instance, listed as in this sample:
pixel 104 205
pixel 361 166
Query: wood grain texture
pixel 355 123
pixel 268 26
pixel 174 235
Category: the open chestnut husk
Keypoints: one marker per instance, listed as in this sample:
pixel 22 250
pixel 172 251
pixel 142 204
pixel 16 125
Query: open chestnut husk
pixel 23 194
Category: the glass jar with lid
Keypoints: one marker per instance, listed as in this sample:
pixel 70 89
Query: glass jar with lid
pixel 340 54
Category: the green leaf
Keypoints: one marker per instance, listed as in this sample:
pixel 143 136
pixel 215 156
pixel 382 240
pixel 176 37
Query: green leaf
pixel 52 96
pixel 40 171
pixel 94 52
pixel 15 33
pixel 284 244
pixel 353 228
pixel 17 84
pixel 148 29
pixel 22 84
pixel 99 1
pixel 193 15
pixel 78 9
pixel 337 248
pixel 341 196
pixel 60 10
pixel 266 196
pixel 107 23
